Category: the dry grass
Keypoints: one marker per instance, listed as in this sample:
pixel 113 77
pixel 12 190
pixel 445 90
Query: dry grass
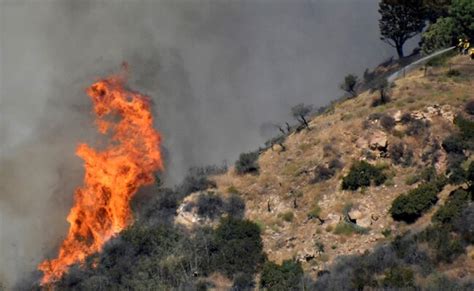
pixel 283 173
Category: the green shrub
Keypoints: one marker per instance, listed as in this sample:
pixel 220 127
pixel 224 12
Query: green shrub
pixel 409 207
pixel 439 35
pixel 243 282
pixel 387 232
pixel 443 243
pixel 348 228
pixel 362 174
pixel 452 209
pixel 453 144
pixel 469 107
pixel 237 247
pixel 453 73
pixel 315 212
pixel 282 277
pixel 466 126
pixel 399 277
pixel 247 163
pixel 412 179
pixel 287 216
pixel 387 122
pixel 209 205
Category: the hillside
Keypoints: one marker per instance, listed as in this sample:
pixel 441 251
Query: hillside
pixel 365 196
pixel 285 193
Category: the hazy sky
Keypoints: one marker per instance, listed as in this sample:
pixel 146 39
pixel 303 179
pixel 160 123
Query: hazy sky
pixel 216 70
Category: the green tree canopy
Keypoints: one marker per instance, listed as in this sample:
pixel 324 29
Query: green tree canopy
pixel 440 34
pixel 401 20
pixel 462 11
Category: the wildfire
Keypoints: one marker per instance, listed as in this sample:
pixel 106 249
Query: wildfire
pixel 112 176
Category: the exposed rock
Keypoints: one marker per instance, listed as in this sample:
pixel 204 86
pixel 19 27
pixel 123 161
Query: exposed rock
pixel 447 113
pixel 355 214
pixel 378 141
pixel 398 116
pixel 364 222
pixel 332 219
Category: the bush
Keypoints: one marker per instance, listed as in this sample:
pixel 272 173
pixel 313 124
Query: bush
pixel 464 224
pixel 322 173
pixel 466 126
pixel 417 127
pixel 453 144
pixel 197 180
pixel 243 282
pixel 452 209
pixel 445 246
pixel 348 228
pixel 286 276
pixel 209 205
pixel 453 73
pixel 439 35
pixel 362 174
pixel 409 207
pixel 247 163
pixel 349 85
pixel 315 212
pixel 387 122
pixel 397 153
pixel 469 107
pixel 287 216
pixel 237 247
pixel 399 277
pixel 235 206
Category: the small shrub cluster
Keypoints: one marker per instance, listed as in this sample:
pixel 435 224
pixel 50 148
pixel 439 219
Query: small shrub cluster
pixel 237 247
pixel 469 107
pixel 323 173
pixel 409 207
pixel 247 163
pixel 453 73
pixel 444 244
pixel 162 257
pixel 286 276
pixel 455 146
pixel 349 228
pixel 387 122
pixel 399 277
pixel 417 127
pixel 457 201
pixel 211 205
pixel 363 174
pixel 287 216
pixel 400 154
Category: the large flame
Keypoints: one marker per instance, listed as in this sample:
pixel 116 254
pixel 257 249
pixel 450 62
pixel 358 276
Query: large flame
pixel 112 176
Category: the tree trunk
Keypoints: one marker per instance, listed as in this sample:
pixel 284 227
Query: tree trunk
pixel 304 121
pixel 400 51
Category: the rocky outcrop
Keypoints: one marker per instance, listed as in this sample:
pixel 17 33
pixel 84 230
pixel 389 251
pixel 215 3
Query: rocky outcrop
pixel 378 141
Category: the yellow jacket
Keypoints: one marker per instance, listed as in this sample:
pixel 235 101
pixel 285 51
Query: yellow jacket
pixel 467 45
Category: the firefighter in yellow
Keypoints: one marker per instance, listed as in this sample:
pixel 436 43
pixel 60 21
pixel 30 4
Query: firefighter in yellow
pixel 460 45
pixel 466 46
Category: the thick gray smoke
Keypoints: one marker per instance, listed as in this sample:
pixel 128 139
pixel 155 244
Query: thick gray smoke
pixel 216 71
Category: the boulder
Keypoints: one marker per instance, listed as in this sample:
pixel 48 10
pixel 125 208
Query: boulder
pixel 332 219
pixel 364 222
pixel 378 141
pixel 355 214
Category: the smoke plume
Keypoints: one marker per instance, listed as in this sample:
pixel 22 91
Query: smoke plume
pixel 215 70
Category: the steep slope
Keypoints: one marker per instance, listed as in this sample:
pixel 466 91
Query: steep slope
pixel 285 194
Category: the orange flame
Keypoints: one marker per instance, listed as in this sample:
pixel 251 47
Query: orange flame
pixel 112 176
